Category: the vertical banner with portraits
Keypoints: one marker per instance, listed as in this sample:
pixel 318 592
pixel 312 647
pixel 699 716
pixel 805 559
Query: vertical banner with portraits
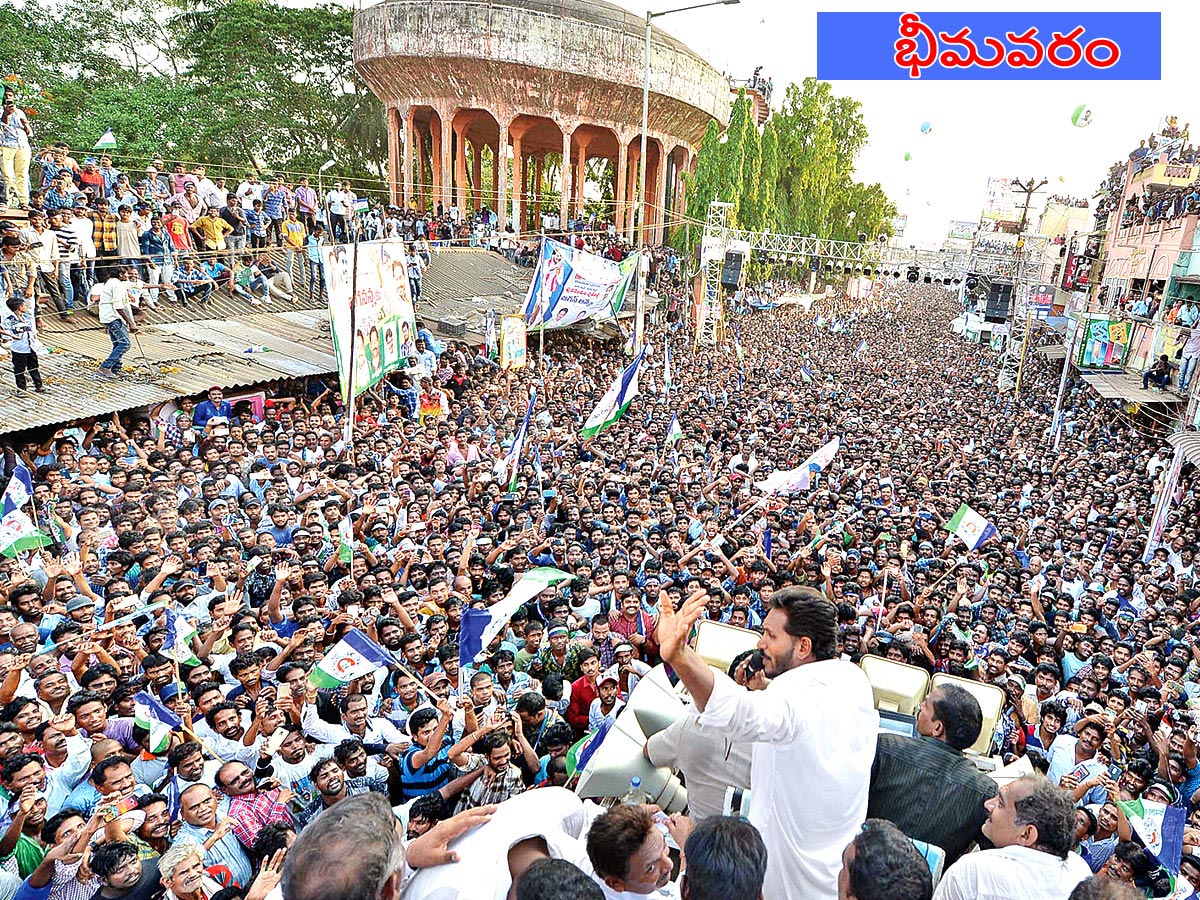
pixel 512 342
pixel 375 330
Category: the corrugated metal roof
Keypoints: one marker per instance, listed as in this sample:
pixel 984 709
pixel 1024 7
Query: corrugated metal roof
pixel 1123 386
pixel 1189 443
pixel 163 364
pixel 185 350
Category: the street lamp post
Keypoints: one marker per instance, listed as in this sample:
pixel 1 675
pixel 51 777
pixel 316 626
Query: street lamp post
pixel 639 324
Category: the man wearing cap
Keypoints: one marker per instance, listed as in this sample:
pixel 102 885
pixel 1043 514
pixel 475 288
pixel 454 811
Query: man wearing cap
pixel 608 703
pixel 630 669
pixel 436 683
pixel 151 188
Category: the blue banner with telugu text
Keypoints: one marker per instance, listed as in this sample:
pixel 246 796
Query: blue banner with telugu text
pixel 989 46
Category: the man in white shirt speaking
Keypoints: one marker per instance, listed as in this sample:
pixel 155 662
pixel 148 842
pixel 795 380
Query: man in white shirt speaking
pixel 813 730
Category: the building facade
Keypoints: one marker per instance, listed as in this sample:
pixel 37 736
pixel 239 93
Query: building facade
pixel 513 86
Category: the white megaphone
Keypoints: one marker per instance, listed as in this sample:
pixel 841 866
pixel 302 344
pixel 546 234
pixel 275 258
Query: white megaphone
pixel 656 704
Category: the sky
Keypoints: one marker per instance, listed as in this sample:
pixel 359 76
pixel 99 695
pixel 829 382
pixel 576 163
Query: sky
pixel 979 129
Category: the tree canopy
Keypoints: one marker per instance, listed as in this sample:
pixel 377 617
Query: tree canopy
pixel 796 176
pixel 227 82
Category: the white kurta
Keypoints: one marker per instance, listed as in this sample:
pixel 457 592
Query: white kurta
pixel 814 729
pixel 554 814
pixel 1012 873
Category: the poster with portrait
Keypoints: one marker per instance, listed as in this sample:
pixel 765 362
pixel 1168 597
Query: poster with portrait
pixel 1099 348
pixel 570 286
pixel 374 331
pixel 512 342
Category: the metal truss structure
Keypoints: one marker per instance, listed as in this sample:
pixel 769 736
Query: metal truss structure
pixel 851 257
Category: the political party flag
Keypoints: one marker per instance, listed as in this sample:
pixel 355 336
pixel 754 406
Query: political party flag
pixel 585 748
pixel 806 375
pixel 148 709
pixel 108 141
pixel 970 526
pixel 346 541
pixel 537 466
pixel 150 714
pixel 1162 508
pixel 177 643
pixel 800 479
pixel 674 432
pixel 490 340
pixel 352 657
pixel 17 531
pixel 861 349
pixel 615 400
pixel 1161 829
pixel 767 543
pixel 820 321
pixel 479 627
pixel 737 344
pixel 512 460
pixel 1182 889
pixel 666 364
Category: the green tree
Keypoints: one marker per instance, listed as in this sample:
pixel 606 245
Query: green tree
pixel 796 176
pixel 225 82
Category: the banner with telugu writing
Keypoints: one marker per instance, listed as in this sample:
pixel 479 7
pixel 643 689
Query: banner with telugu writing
pixel 571 285
pixel 374 332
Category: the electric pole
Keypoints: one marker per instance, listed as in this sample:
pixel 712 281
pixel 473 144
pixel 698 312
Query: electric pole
pixel 1028 188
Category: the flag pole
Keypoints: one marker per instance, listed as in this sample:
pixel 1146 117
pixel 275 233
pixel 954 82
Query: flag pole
pixel 348 433
pixel 186 724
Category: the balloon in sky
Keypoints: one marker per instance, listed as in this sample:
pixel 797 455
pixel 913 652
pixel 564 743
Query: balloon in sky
pixel 926 128
pixel 907 157
pixel 1082 116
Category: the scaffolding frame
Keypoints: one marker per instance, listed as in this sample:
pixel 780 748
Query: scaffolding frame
pixel 855 255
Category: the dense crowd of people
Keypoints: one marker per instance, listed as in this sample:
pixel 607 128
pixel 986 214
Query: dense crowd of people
pixel 229 527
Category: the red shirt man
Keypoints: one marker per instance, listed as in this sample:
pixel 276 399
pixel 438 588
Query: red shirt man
pixel 177 227
pixel 584 690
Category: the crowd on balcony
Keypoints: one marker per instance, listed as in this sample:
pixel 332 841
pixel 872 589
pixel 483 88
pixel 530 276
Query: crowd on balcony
pixel 756 82
pixel 1108 193
pixel 1161 205
pixel 86 218
pixel 1171 140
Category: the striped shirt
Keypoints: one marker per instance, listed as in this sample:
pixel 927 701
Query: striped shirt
pixel 930 791
pixel 68 242
pixel 434 775
pixel 275 204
